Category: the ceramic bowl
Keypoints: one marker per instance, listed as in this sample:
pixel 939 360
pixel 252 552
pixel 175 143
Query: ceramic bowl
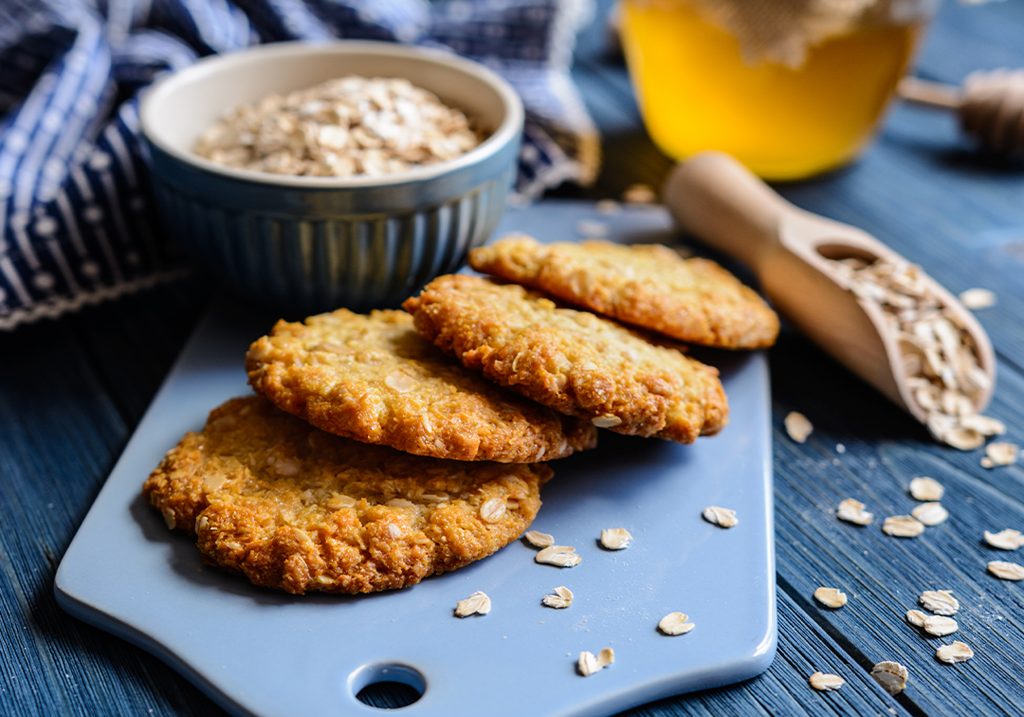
pixel 317 243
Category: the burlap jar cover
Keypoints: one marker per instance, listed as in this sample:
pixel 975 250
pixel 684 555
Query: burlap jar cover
pixel 782 31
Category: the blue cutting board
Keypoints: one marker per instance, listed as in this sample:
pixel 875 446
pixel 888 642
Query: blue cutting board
pixel 264 653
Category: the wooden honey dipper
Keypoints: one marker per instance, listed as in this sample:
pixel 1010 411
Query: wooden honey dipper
pixel 990 105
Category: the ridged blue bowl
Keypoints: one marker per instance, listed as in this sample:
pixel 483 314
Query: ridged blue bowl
pixel 317 243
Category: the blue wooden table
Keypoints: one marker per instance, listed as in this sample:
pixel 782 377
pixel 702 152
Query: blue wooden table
pixel 72 391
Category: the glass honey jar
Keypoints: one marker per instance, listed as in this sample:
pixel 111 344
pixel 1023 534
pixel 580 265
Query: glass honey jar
pixel 788 101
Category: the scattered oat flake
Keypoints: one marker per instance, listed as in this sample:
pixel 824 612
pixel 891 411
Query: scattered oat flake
pixel 830 597
pixel 930 513
pixel 825 682
pixel 925 488
pixel 892 676
pixel 560 598
pixel 587 663
pixel 975 299
pixel 1000 453
pixel 722 517
pixel 1005 570
pixel 562 556
pixel 852 511
pixel 616 538
pixel 607 206
pixel 954 652
pixel 1008 539
pixel 476 604
pixel 675 623
pixel 916 618
pixel 538 539
pixel 590 228
pixel 639 194
pixel 941 602
pixel 797 426
pixel 939 625
pixel 902 526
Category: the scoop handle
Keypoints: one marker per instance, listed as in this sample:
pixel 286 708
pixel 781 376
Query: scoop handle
pixel 719 201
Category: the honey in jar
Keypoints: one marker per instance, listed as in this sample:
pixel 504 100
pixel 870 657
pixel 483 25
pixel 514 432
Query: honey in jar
pixel 785 117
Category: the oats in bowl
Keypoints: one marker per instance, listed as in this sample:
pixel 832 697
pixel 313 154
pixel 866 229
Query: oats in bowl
pixel 347 127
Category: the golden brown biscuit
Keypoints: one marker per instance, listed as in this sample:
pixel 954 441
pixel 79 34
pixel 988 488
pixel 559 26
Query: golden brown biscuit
pixel 374 379
pixel 298 509
pixel 647 285
pixel 572 361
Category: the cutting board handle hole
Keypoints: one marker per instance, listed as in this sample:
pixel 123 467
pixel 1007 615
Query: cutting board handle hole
pixel 387 686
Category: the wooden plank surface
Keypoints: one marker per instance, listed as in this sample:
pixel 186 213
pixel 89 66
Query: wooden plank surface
pixel 71 392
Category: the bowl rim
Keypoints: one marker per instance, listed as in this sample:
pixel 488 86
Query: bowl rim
pixel 508 129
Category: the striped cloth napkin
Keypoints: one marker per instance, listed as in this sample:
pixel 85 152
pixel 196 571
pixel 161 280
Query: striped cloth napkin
pixel 77 225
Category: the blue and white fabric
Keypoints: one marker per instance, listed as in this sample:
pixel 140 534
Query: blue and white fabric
pixel 77 224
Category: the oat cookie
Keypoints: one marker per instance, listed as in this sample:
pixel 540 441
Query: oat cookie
pixel 572 361
pixel 648 285
pixel 301 510
pixel 374 379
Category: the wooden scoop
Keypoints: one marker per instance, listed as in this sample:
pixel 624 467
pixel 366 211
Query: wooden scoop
pixel 717 200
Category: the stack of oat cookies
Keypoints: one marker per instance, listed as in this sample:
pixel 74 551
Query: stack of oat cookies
pixel 388 447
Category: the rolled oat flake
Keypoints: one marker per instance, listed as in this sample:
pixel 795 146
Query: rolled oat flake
pixel 826 682
pixel 902 526
pixel 926 489
pixel 941 602
pixel 798 426
pixel 1005 570
pixel 916 618
pixel 930 513
pixel 939 625
pixel 1008 539
pixel 830 597
pixel 722 517
pixel 675 623
pixel 954 652
pixel 892 676
pixel 852 511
